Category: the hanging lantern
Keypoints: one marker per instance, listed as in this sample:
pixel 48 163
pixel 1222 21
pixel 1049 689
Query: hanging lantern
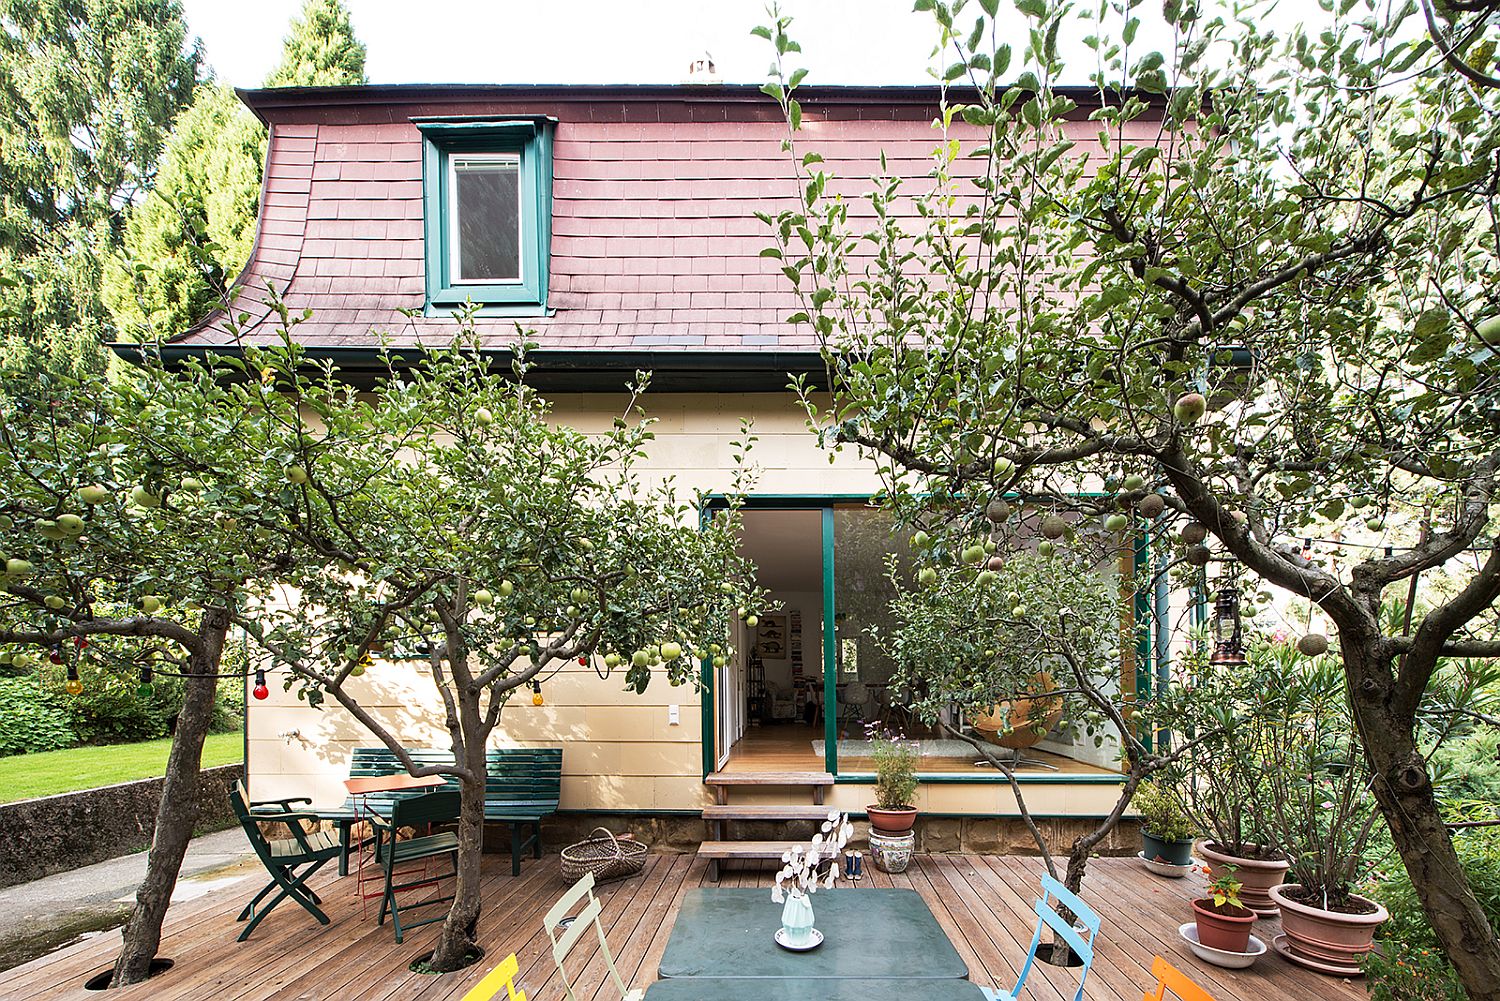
pixel 1229 646
pixel 536 694
pixel 260 691
pixel 144 689
pixel 73 685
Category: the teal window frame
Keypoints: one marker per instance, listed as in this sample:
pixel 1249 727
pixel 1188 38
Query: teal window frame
pixel 529 139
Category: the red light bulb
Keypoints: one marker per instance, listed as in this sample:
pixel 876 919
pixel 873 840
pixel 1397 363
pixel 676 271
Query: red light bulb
pixel 260 692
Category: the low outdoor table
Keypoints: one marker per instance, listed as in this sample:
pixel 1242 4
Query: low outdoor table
pixel 725 934
pixel 746 989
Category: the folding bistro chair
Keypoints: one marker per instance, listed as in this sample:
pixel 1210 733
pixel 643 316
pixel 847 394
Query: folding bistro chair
pixel 1170 978
pixel 1047 916
pixel 290 861
pixel 503 975
pixel 430 808
pixel 589 915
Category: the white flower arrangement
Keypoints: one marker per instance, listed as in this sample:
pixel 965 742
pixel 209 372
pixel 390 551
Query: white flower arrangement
pixel 799 869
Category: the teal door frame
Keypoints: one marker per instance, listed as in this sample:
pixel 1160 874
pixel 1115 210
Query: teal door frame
pixel 824 503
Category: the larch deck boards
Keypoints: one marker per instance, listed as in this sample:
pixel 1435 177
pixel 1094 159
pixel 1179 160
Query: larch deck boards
pixel 983 904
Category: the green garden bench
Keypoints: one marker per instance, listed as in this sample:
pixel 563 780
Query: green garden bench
pixel 523 786
pixel 290 861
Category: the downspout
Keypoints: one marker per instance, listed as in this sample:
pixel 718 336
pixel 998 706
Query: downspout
pixel 1163 612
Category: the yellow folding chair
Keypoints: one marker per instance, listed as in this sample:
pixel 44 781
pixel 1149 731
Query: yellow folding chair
pixel 503 975
pixel 587 915
pixel 1170 978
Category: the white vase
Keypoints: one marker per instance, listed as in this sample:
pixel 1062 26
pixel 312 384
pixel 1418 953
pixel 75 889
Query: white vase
pixel 797 920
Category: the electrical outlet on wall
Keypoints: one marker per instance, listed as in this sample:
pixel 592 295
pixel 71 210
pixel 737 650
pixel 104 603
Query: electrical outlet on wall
pixel 674 716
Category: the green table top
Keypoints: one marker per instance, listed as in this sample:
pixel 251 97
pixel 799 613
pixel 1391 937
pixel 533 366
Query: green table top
pixel 870 934
pixel 745 989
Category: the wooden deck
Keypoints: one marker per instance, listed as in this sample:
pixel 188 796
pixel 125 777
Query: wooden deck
pixel 982 902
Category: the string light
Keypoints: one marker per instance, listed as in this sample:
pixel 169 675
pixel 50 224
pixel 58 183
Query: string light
pixel 536 694
pixel 73 686
pixel 144 690
pixel 260 691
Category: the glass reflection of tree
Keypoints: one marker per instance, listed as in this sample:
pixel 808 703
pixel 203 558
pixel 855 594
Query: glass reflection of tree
pixel 863 540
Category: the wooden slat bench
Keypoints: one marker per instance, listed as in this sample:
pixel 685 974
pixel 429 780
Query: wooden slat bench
pixel 523 786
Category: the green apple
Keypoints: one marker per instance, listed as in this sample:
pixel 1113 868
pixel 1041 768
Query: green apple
pixel 726 588
pixel 1133 482
pixel 611 660
pixel 987 577
pixel 1489 331
pixel 1046 549
pixel 53 601
pixel 578 594
pixel 1359 503
pixel 1019 611
pixel 640 658
pixel 1313 645
pixel 483 597
pixel 1003 468
pixel 671 651
pixel 1375 523
pixel 50 530
pixel 483 417
pixel 752 621
pixel 921 539
pixel 94 494
pixel 192 484
pixel 71 524
pixel 1190 408
pixel 927 577
pixel 1013 598
pixel 150 604
pixel 142 497
pixel 585 543
pixel 296 475
pixel 1116 523
pixel 720 661
pixel 972 554
pixel 506 589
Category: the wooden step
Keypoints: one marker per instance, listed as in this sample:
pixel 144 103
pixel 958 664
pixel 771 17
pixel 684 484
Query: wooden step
pixel 748 849
pixel 766 812
pixel 769 779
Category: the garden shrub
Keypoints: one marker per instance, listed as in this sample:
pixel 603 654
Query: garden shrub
pixel 1467 769
pixel 1410 964
pixel 28 720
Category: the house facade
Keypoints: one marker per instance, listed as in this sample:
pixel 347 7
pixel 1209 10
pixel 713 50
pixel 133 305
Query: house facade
pixel 617 227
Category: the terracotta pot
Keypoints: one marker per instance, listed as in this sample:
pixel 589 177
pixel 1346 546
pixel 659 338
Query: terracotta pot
pixel 1257 875
pixel 891 821
pixel 1328 941
pixel 1011 724
pixel 1226 932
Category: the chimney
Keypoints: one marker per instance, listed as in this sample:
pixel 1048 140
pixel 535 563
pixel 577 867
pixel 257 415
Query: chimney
pixel 703 71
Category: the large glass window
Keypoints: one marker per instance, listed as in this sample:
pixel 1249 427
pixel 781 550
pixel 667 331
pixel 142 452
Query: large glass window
pixel 865 542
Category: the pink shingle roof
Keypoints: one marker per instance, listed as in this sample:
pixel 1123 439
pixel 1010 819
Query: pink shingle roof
pixel 655 244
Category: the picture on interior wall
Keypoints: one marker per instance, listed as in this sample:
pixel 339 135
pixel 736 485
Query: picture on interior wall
pixel 771 636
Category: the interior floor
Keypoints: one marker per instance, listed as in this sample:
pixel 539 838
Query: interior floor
pixel 787 747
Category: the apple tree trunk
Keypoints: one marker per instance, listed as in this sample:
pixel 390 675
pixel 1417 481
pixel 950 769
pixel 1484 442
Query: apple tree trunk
pixel 457 939
pixel 1404 793
pixel 177 813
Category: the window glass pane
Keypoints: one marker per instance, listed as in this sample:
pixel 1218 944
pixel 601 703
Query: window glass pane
pixel 486 210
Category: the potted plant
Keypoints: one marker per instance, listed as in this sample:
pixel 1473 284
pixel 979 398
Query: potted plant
pixel 1223 780
pixel 1222 918
pixel 1166 830
pixel 798 880
pixel 895 781
pixel 1322 808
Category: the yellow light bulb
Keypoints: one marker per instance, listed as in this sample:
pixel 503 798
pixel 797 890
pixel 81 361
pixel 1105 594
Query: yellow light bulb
pixel 74 686
pixel 536 698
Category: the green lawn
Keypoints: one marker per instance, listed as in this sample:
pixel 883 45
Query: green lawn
pixel 24 776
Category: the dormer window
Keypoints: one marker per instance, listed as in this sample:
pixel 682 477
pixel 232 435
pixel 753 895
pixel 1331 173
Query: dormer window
pixel 488 196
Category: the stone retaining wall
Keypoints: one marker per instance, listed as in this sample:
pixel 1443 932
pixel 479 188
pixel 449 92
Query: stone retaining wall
pixel 59 833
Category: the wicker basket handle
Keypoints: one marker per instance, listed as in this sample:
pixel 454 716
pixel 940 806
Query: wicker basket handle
pixel 619 852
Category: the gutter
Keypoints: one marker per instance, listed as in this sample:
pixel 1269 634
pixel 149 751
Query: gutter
pixel 588 371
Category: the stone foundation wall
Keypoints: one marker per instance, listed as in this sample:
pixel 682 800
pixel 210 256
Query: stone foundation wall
pixel 58 833
pixel 935 835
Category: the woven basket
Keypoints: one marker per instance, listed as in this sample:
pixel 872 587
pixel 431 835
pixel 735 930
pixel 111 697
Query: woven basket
pixel 607 857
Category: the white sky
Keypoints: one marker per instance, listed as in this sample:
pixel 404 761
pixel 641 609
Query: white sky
pixel 588 41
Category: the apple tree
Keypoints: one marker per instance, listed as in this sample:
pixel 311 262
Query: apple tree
pixel 447 520
pixel 1251 271
pixel 119 549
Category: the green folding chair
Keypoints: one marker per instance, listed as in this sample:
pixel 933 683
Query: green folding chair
pixel 418 811
pixel 290 861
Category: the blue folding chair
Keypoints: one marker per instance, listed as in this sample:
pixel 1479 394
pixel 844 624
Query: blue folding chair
pixel 1047 916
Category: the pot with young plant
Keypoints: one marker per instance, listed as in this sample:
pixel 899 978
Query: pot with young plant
pixel 1222 918
pixel 1323 809
pixel 895 781
pixel 1167 833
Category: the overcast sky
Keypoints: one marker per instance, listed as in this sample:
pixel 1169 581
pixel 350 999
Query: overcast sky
pixel 587 41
